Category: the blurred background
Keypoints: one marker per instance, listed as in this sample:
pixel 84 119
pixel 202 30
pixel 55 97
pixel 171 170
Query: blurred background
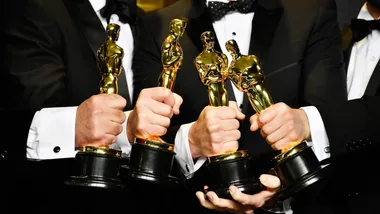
pixel 152 5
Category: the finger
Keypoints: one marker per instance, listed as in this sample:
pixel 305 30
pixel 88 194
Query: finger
pixel 112 128
pixel 229 124
pixel 114 115
pixel 159 94
pixel 156 119
pixel 269 114
pixel 227 113
pixel 245 199
pixel 151 130
pixel 113 101
pixel 233 135
pixel 205 203
pixel 273 125
pixel 159 108
pixel 275 136
pixel 271 182
pixel 178 103
pixel 223 204
pixel 233 105
pixel 254 122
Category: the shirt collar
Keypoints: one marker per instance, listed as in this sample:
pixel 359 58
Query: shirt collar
pixel 364 13
pixel 97 5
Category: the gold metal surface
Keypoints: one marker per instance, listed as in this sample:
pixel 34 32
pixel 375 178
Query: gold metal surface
pixel 246 74
pixel 100 150
pixel 212 68
pixel 152 5
pixel 172 54
pixel 228 156
pixel 171 59
pixel 109 60
pixel 156 144
pixel 291 152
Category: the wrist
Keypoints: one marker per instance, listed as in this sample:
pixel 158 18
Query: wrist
pixel 130 128
pixel 306 126
pixel 192 143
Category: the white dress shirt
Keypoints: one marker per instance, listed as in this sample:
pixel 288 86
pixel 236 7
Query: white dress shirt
pixel 365 55
pixel 55 127
pixel 237 26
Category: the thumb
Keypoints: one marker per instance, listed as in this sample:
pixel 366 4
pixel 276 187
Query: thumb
pixel 239 114
pixel 178 102
pixel 270 181
pixel 254 122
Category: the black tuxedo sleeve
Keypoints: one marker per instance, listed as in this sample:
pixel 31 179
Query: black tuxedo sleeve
pixel 352 126
pixel 323 68
pixel 14 134
pixel 33 61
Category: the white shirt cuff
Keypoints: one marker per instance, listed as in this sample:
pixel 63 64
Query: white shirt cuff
pixel 52 134
pixel 319 140
pixel 183 154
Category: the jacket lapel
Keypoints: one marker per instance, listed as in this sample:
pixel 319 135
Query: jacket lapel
pixel 87 22
pixel 374 82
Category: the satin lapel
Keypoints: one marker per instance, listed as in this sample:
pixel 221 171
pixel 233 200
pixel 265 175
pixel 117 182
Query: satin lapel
pixel 264 26
pixel 374 82
pixel 87 22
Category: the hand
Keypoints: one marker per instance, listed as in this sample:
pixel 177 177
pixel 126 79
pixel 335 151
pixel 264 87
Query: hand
pixel 242 203
pixel 99 120
pixel 215 131
pixel 282 126
pixel 152 113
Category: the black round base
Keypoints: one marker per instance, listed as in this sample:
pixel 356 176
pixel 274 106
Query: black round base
pixel 96 170
pixel 249 188
pixel 128 173
pixel 305 181
pixel 220 175
pixel 95 183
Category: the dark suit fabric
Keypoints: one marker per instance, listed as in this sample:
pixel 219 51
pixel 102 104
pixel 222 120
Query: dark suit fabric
pixel 298 43
pixel 50 62
pixel 354 134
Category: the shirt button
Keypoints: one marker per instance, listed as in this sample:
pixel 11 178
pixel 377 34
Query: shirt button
pixel 327 149
pixel 57 149
pixel 233 33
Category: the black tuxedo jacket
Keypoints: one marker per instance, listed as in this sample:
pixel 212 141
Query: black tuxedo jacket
pixel 354 134
pixel 298 44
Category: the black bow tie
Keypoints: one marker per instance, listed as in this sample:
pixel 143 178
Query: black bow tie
pixel 125 9
pixel 220 9
pixel 361 28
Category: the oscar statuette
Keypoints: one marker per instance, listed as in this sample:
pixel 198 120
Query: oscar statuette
pixel 231 167
pixel 100 166
pixel 296 166
pixel 151 157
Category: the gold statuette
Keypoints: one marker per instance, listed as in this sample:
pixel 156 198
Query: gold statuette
pixel 171 58
pixel 109 60
pixel 172 54
pixel 246 74
pixel 212 67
